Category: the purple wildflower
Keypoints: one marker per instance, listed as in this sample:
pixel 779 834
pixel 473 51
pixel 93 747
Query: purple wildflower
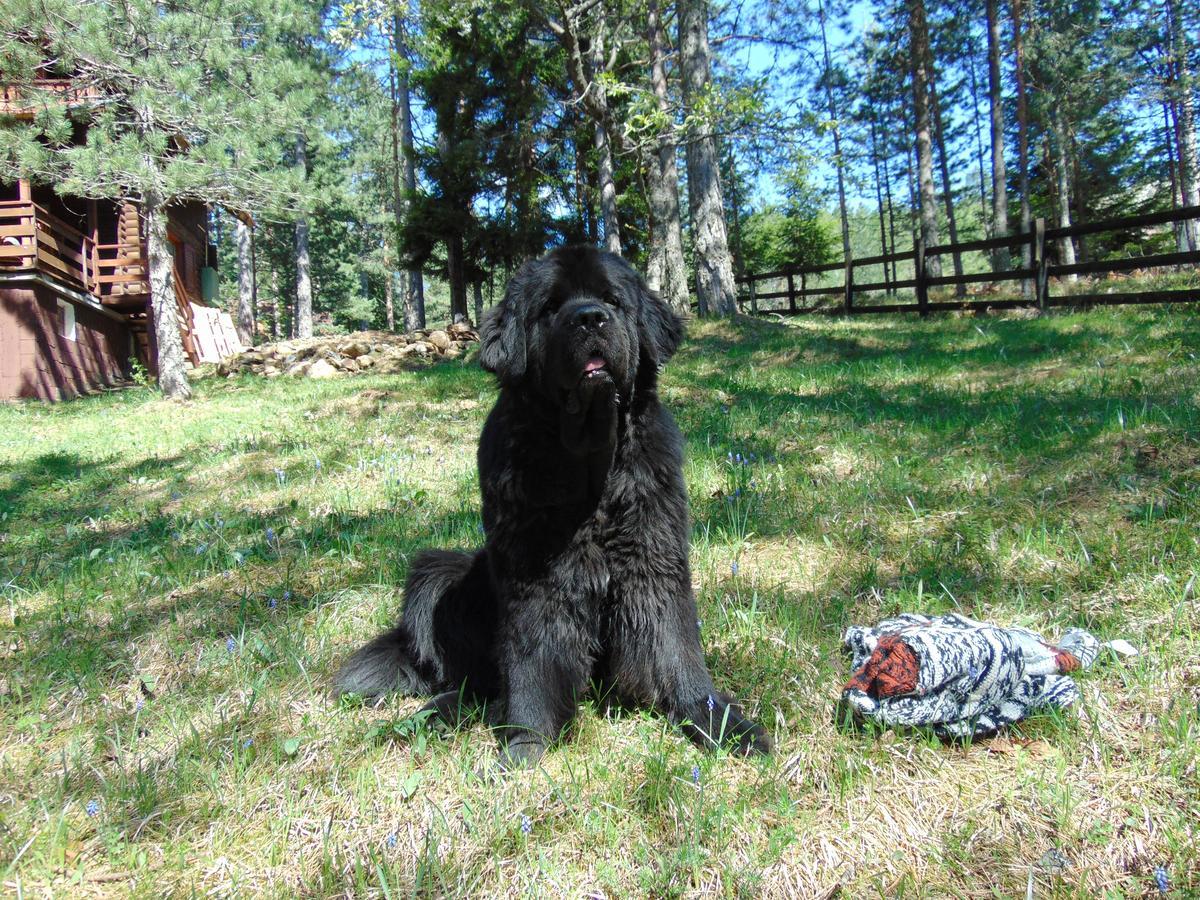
pixel 391 841
pixel 140 705
pixel 287 595
pixel 272 603
pixel 526 825
pixel 270 535
pixel 1161 880
pixel 201 549
pixel 696 776
pixel 733 567
pixel 248 743
pixel 93 807
pixel 712 704
pixel 230 644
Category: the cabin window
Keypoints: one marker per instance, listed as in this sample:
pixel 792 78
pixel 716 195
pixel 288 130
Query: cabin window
pixel 66 320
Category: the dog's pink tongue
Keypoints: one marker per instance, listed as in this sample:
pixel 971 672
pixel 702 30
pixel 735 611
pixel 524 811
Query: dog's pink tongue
pixel 596 362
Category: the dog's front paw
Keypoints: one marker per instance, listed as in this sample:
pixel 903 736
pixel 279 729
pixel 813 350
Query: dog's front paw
pixel 753 739
pixel 522 752
pixel 720 723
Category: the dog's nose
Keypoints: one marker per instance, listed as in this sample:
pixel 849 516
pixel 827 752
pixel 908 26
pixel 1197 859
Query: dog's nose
pixel 591 316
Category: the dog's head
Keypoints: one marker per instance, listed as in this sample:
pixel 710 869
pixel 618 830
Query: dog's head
pixel 576 319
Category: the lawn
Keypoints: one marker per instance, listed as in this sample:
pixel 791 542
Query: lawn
pixel 180 581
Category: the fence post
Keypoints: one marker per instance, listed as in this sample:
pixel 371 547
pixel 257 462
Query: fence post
pixel 753 297
pixel 848 300
pixel 792 292
pixel 1041 284
pixel 920 276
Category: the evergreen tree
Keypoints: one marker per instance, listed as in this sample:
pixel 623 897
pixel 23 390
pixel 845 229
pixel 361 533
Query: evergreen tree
pixel 192 99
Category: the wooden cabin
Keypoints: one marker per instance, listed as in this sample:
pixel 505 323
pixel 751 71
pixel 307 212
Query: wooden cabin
pixel 74 289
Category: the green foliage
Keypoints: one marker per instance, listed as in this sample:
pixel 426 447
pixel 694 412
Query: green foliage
pixel 792 235
pixel 773 238
pixel 188 100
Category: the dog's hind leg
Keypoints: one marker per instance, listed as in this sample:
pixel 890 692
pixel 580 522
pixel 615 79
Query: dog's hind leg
pixel 409 658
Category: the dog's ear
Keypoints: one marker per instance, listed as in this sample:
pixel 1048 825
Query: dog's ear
pixel 502 339
pixel 660 328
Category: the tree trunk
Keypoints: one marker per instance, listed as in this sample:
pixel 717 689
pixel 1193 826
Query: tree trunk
pixel 960 289
pixel 303 322
pixel 838 162
pixel 1078 187
pixel 583 197
pixel 1185 121
pixel 891 209
pixel 245 267
pixel 608 192
pixel 1066 248
pixel 414 294
pixel 604 161
pixel 1181 237
pixel 664 178
pixel 389 297
pixel 478 302
pixel 456 272
pixel 919 37
pixel 1022 143
pixel 656 252
pixel 883 242
pixel 1000 258
pixel 171 361
pixel 979 151
pixel 735 209
pixel 276 308
pixel 714 273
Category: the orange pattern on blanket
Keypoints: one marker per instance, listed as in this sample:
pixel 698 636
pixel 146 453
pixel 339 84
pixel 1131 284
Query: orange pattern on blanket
pixel 1066 662
pixel 890 672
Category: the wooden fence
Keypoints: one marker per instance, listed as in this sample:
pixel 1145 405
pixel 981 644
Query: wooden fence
pixel 1036 276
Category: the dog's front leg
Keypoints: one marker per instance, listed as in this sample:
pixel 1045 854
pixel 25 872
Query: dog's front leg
pixel 545 661
pixel 655 642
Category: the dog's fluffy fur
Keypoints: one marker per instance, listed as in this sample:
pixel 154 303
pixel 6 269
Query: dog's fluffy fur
pixel 584 576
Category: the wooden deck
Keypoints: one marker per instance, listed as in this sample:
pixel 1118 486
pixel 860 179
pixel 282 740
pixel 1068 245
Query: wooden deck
pixel 31 237
pixel 24 100
pixel 117 275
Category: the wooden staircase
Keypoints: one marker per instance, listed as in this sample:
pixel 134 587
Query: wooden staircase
pixel 187 323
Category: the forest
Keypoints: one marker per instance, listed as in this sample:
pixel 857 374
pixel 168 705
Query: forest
pixel 393 161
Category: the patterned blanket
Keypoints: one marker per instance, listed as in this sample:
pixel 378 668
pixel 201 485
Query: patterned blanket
pixel 961 678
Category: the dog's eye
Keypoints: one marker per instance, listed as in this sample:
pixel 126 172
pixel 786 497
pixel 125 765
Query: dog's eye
pixel 611 300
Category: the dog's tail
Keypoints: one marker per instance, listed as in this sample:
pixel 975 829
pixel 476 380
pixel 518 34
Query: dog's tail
pixel 407 658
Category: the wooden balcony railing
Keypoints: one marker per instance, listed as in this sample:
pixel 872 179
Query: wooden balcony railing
pixel 23 100
pixel 31 237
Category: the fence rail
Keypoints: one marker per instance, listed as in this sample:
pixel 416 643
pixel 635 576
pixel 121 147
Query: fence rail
pixel 1035 277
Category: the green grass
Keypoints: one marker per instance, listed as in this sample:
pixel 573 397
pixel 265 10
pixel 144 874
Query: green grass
pixel 179 582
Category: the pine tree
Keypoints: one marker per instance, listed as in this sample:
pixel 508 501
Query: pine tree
pixel 178 83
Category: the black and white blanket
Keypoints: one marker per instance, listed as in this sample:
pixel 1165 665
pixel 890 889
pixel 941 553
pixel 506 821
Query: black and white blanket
pixel 961 678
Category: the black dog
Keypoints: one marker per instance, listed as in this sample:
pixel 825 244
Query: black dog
pixel 584 576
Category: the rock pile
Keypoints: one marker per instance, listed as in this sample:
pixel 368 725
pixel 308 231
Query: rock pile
pixel 366 351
